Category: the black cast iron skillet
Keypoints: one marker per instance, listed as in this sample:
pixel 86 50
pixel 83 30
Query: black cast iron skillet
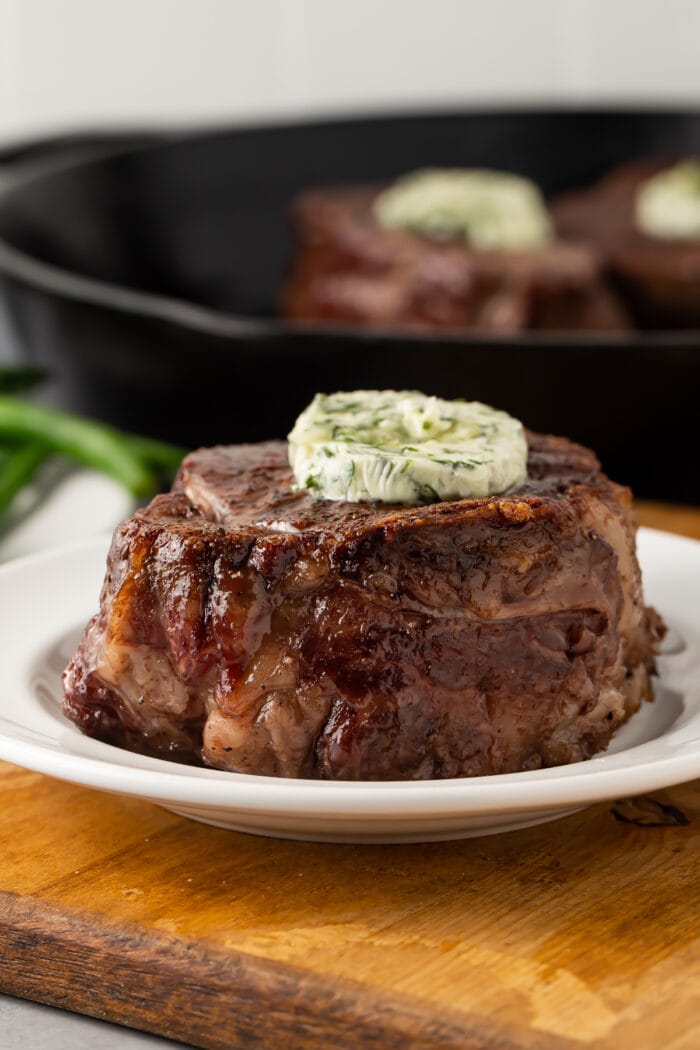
pixel 147 280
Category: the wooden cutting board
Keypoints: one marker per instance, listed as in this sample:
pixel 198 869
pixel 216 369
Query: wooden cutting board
pixel 583 933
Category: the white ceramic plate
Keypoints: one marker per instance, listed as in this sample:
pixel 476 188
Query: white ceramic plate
pixel 59 506
pixel 45 600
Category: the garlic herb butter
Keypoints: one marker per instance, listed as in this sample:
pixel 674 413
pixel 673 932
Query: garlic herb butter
pixel 668 205
pixel 488 209
pixel 404 447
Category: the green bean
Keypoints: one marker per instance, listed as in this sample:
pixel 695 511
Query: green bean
pixel 20 377
pixel 17 468
pixel 158 454
pixel 87 442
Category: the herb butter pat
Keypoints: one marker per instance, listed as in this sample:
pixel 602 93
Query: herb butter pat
pixel 668 205
pixel 404 447
pixel 491 210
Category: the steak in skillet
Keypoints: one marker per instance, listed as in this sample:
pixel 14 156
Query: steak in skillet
pixel 244 625
pixel 659 278
pixel 348 268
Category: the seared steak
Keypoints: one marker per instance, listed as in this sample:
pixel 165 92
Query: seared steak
pixel 244 625
pixel 348 268
pixel 658 277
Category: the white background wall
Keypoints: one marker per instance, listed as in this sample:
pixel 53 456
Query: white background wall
pixel 71 64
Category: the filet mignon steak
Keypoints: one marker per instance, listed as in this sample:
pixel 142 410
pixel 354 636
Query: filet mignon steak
pixel 348 268
pixel 245 626
pixel 659 278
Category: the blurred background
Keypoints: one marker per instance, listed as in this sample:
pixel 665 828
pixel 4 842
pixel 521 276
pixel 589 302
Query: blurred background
pixel 151 154
pixel 79 65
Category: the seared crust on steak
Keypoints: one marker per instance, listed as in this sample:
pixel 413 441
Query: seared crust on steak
pixel 244 625
pixel 348 268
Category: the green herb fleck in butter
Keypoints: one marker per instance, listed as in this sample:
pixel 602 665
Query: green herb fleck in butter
pixel 404 447
pixel 489 209
pixel 668 205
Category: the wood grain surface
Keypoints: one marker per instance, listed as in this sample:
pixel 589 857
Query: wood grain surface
pixel 584 933
pixel 683 520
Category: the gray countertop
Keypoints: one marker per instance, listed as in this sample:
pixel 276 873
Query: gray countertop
pixel 30 1026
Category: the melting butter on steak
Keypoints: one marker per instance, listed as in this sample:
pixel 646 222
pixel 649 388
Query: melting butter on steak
pixel 244 625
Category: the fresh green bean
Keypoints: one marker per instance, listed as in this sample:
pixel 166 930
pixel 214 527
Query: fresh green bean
pixel 88 442
pixel 19 377
pixel 162 457
pixel 158 454
pixel 17 468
